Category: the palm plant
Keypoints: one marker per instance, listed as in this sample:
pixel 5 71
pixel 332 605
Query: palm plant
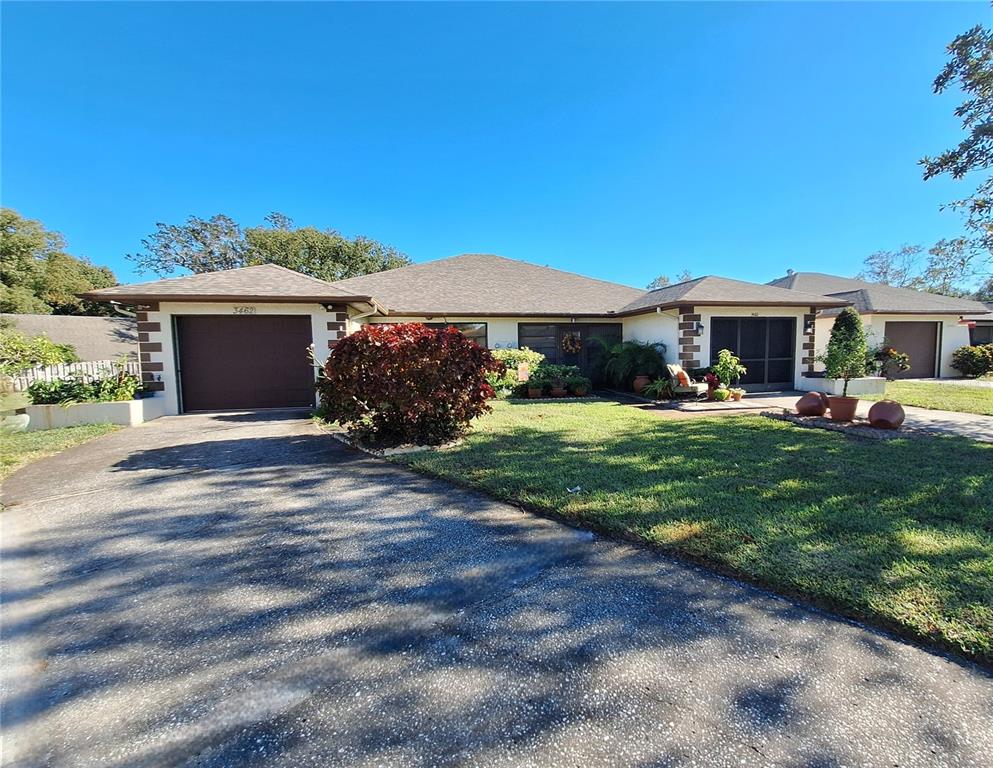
pixel 626 359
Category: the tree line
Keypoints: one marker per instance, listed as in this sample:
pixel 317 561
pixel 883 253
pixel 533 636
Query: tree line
pixel 39 276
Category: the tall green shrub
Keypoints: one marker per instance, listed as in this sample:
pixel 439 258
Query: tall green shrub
pixel 847 350
pixel 19 352
pixel 974 361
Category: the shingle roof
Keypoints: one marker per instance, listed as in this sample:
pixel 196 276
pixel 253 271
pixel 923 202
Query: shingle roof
pixel 716 291
pixel 871 298
pixel 482 284
pixel 267 281
pixel 93 338
pixel 980 316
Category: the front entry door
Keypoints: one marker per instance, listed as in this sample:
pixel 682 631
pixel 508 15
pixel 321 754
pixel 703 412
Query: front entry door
pixel 766 346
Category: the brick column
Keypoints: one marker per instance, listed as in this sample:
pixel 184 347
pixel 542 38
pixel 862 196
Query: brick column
pixel 337 326
pixel 150 352
pixel 689 338
pixel 808 340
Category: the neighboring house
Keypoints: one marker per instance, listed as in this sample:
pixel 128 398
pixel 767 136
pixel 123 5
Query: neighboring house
pixel 926 326
pixel 93 338
pixel 237 339
pixel 981 326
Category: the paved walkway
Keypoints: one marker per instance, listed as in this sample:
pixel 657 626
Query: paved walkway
pixel 242 590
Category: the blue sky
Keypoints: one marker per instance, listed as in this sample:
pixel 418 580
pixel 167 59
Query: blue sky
pixel 618 141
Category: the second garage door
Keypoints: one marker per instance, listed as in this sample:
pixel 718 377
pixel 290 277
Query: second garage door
pixel 255 361
pixel 920 341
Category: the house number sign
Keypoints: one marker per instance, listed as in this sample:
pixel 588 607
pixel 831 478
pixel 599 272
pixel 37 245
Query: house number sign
pixel 244 310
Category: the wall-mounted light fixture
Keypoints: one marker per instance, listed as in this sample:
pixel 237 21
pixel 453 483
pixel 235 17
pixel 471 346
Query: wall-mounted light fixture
pixel 699 327
pixel 808 327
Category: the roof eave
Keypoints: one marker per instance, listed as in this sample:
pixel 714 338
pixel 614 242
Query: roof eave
pixel 691 302
pixel 188 297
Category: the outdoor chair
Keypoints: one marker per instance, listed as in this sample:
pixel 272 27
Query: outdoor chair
pixel 682 384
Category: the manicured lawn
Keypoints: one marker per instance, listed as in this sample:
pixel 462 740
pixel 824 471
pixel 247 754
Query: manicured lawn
pixel 896 531
pixel 944 397
pixel 19 448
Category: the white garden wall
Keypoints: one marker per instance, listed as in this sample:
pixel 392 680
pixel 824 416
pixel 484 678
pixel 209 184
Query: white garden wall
pixel 127 413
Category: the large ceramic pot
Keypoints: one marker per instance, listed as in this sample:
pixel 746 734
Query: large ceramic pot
pixel 886 414
pixel 812 404
pixel 534 392
pixel 640 382
pixel 843 408
pixel 579 391
pixel 560 392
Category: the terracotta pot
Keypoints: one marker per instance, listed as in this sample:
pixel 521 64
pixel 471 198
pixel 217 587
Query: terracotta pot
pixel 843 408
pixel 534 394
pixel 736 396
pixel 812 404
pixel 711 388
pixel 580 391
pixel 886 414
pixel 640 382
pixel 560 392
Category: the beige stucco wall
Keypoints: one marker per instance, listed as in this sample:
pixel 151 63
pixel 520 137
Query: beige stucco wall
pixel 952 335
pixel 318 325
pixel 655 327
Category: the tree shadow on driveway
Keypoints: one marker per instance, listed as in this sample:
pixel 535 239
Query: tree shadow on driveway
pixel 278 599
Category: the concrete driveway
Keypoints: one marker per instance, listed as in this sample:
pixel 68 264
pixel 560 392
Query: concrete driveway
pixel 242 590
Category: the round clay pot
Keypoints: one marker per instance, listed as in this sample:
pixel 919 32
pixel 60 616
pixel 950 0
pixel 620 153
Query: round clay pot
pixel 534 394
pixel 812 404
pixel 580 391
pixel 560 392
pixel 843 408
pixel 640 382
pixel 886 414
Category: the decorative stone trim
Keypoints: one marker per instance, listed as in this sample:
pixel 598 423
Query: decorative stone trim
pixel 148 327
pixel 809 343
pixel 689 337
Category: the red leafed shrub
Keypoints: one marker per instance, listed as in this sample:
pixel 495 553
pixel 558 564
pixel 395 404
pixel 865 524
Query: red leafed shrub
pixel 395 384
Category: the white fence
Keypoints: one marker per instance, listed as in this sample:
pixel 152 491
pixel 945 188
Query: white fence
pixel 89 370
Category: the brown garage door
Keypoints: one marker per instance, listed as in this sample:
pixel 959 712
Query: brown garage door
pixel 244 361
pixel 917 339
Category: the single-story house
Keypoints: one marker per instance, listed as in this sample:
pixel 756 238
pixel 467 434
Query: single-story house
pixel 93 338
pixel 926 326
pixel 981 326
pixel 238 338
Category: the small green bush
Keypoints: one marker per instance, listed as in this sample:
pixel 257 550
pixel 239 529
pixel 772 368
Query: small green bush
pixel 620 363
pixel 505 382
pixel 973 361
pixel 120 385
pixel 19 352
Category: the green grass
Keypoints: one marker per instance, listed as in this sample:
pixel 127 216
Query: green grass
pixel 944 397
pixel 899 532
pixel 20 448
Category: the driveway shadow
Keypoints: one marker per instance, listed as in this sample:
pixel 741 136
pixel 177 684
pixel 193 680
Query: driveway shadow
pixel 298 602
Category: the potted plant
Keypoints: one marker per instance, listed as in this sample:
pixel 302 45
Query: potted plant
pixel 728 368
pixel 558 387
pixel 736 393
pixel 712 384
pixel 660 389
pixel 721 394
pixel 536 384
pixel 578 385
pixel 845 359
pixel 632 363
